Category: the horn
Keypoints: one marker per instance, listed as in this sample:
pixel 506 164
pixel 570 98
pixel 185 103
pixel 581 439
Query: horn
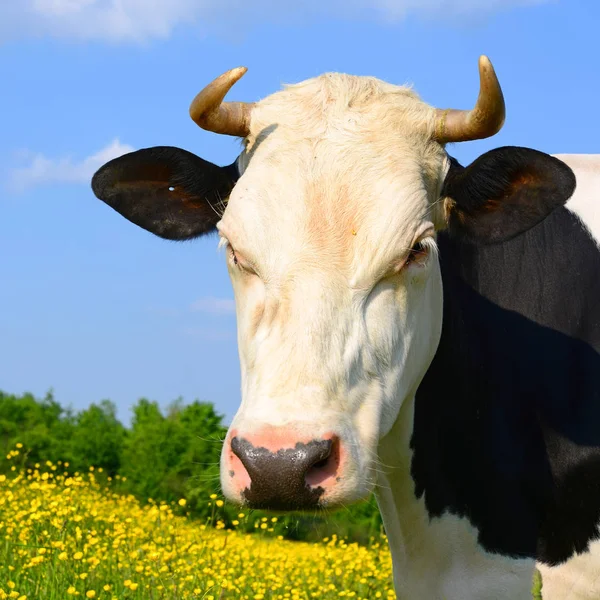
pixel 485 120
pixel 210 112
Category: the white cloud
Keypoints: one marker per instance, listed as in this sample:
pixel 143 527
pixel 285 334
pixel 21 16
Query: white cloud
pixel 214 306
pixel 143 20
pixel 42 170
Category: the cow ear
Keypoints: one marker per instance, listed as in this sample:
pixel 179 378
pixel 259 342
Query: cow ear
pixel 503 193
pixel 167 191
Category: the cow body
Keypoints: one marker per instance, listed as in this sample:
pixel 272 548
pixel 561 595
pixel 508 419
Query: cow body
pixel 405 324
pixel 505 451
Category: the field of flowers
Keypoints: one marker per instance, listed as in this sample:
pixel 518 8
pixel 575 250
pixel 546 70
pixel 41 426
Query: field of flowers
pixel 64 535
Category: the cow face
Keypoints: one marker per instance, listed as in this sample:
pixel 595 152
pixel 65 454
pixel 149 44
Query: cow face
pixel 329 237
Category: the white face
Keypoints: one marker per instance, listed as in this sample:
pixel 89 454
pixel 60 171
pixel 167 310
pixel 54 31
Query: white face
pixel 330 244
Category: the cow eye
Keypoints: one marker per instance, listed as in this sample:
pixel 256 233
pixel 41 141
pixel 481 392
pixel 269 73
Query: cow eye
pixel 418 254
pixel 238 261
pixel 233 256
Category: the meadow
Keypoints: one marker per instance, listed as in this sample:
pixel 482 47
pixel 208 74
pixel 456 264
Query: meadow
pixel 71 535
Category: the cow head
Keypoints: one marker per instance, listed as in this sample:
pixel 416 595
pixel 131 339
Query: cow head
pixel 328 221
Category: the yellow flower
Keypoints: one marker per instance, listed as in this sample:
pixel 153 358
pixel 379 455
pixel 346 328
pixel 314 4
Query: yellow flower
pixel 95 534
pixel 182 502
pixel 213 496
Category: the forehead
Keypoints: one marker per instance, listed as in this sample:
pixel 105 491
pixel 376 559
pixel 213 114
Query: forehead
pixel 333 161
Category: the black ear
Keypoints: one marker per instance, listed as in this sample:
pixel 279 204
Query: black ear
pixel 167 191
pixel 504 192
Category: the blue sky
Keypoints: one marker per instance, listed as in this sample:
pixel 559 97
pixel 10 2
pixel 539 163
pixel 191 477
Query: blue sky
pixel 94 307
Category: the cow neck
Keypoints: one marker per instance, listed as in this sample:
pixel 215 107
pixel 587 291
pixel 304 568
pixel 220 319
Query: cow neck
pixel 404 516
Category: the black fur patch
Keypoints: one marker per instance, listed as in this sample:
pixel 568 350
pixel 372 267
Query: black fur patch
pixel 505 192
pixel 507 421
pixel 165 190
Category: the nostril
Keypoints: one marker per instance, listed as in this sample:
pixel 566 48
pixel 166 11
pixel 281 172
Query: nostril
pixel 318 452
pixel 245 452
pixel 320 464
pixel 236 447
pixel 325 468
pixel 238 464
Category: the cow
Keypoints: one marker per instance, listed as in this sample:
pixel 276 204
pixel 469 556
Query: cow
pixel 406 325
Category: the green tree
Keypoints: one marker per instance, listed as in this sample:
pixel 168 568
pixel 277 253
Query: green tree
pixel 98 438
pixel 173 456
pixel 42 426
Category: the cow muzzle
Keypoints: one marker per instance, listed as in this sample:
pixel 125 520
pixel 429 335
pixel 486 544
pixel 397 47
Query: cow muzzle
pixel 278 471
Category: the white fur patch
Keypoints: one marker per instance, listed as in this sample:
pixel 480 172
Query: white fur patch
pixel 585 202
pixel 577 579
